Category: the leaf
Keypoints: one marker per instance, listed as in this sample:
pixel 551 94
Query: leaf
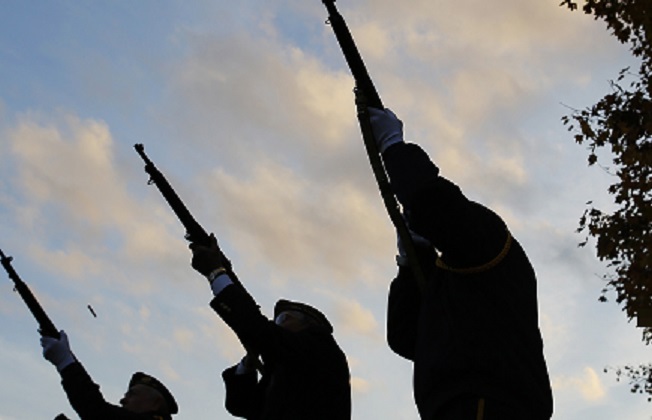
pixel 592 159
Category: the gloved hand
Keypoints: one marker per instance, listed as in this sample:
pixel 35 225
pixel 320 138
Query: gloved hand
pixel 207 259
pixel 57 351
pixel 424 249
pixel 387 128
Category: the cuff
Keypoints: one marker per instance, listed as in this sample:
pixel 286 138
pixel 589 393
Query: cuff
pixel 219 282
pixel 384 145
pixel 68 360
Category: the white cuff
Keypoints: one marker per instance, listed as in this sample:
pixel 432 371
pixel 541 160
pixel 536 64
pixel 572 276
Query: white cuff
pixel 220 282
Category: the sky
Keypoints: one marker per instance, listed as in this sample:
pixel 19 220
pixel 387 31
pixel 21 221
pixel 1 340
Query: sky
pixel 247 108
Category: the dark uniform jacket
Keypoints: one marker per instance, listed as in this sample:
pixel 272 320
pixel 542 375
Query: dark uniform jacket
pixel 474 328
pixel 87 400
pixel 306 375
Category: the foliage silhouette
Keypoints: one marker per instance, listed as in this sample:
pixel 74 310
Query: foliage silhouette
pixel 622 121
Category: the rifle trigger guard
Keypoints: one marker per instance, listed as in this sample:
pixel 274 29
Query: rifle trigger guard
pixel 328 21
pixel 151 181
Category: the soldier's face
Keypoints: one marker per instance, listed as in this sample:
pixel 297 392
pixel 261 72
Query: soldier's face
pixel 142 399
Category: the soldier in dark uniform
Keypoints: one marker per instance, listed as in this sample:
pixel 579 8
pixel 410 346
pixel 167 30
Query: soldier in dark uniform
pixel 304 374
pixel 472 329
pixel 146 397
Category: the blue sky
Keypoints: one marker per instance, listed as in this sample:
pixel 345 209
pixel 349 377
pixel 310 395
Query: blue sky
pixel 248 110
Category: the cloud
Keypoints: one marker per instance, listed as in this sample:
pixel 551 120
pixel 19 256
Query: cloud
pixel 26 363
pixel 359 385
pixel 466 74
pixel 169 371
pixel 82 172
pixel 588 384
pixel 257 115
pixel 72 192
pixel 276 214
pixel 218 337
pixel 355 319
pixel 294 103
pixel 73 263
pixel 184 338
pixel 374 39
pixel 287 135
pixel 499 27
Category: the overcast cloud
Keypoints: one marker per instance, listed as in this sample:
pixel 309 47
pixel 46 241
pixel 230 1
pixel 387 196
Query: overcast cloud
pixel 248 110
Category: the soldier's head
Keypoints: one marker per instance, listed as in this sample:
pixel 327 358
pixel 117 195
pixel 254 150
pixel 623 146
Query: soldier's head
pixel 147 394
pixel 296 316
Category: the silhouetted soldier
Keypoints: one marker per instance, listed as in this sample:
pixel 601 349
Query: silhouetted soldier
pixel 146 398
pixel 305 375
pixel 472 332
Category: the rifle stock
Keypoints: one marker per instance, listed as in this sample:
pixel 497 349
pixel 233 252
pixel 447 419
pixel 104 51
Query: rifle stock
pixel 46 327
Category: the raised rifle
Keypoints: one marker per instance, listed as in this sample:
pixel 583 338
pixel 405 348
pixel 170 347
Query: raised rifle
pixel 195 233
pixel 367 96
pixel 353 58
pixel 46 327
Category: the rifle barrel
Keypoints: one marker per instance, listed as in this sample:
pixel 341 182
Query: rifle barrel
pixel 46 327
pixel 352 55
pixel 194 231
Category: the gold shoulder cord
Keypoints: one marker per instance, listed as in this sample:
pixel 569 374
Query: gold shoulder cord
pixel 472 270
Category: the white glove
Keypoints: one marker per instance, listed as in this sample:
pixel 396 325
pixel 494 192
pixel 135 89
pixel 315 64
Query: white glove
pixel 57 351
pixel 387 128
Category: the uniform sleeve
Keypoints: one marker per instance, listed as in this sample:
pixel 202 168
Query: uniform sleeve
pixel 241 393
pixel 242 314
pixel 257 333
pixel 404 303
pixel 87 400
pixel 467 233
pixel 403 306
